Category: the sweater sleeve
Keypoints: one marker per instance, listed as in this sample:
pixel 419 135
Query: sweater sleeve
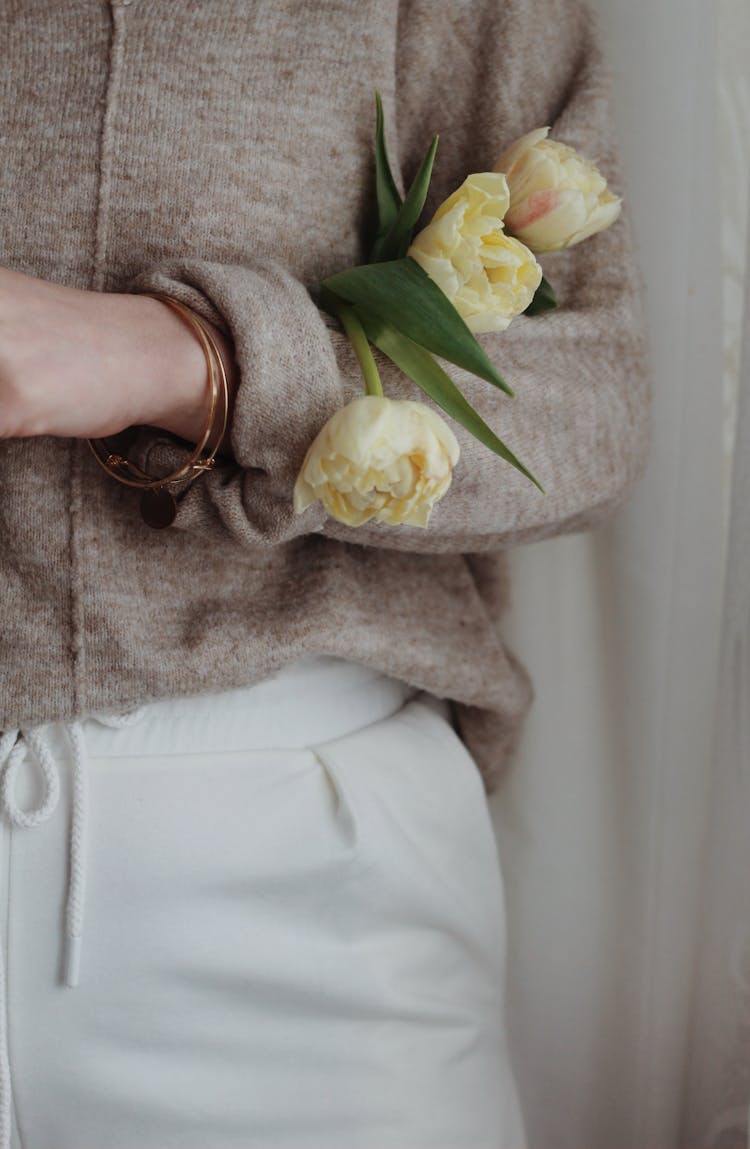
pixel 481 74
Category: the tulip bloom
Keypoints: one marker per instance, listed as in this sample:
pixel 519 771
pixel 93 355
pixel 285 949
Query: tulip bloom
pixel 387 459
pixel 557 197
pixel 488 276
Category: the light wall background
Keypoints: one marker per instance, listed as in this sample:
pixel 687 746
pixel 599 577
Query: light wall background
pixel 734 154
pixel 605 819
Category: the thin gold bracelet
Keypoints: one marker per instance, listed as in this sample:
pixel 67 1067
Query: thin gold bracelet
pixel 158 505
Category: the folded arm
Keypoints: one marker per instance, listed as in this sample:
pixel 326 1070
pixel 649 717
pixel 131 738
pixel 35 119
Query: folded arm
pixel 480 74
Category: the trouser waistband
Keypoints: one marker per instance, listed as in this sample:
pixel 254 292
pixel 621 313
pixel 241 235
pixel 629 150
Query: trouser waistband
pixel 313 700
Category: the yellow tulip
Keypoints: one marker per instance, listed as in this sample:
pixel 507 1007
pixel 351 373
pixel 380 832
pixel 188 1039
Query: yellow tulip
pixel 488 276
pixel 557 197
pixel 379 458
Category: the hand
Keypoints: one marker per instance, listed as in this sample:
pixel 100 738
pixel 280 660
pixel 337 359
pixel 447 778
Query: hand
pixel 85 364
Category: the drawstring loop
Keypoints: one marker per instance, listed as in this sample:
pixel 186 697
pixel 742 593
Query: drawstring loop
pixel 13 748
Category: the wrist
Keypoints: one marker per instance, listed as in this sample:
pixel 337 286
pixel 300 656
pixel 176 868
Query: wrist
pixel 176 392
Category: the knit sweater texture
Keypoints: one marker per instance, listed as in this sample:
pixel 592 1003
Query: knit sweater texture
pixel 222 151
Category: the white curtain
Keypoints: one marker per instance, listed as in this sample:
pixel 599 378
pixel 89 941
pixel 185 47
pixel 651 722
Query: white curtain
pixel 624 824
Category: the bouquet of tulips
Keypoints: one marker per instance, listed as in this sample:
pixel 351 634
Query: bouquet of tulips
pixel 471 270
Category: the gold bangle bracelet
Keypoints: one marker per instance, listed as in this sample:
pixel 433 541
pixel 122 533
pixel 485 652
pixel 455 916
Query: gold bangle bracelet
pixel 158 505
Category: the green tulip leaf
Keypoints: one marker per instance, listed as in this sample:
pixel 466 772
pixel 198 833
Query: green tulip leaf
pixel 544 299
pixel 419 365
pixel 401 293
pixel 329 301
pixel 395 243
pixel 386 192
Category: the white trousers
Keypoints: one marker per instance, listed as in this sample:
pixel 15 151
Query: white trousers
pixel 294 929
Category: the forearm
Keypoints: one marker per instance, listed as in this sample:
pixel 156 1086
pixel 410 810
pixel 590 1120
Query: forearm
pixel 87 364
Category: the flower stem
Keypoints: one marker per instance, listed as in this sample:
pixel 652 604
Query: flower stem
pixel 358 339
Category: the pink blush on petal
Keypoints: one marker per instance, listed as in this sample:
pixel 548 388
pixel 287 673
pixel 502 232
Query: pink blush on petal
pixel 538 204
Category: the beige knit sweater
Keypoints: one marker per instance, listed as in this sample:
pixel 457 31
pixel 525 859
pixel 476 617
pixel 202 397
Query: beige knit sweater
pixel 222 150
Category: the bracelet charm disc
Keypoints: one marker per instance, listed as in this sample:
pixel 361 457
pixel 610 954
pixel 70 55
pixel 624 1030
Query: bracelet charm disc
pixel 158 508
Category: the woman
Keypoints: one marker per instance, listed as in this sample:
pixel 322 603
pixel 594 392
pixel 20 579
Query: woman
pixel 295 931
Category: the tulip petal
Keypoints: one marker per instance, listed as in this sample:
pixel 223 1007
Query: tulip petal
pixel 600 219
pixel 533 208
pixel 304 495
pixel 513 153
pixel 551 232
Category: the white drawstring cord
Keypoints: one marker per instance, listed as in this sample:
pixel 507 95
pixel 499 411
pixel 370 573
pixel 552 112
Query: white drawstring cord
pixel 33 739
pixel 77 842
pixel 13 749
